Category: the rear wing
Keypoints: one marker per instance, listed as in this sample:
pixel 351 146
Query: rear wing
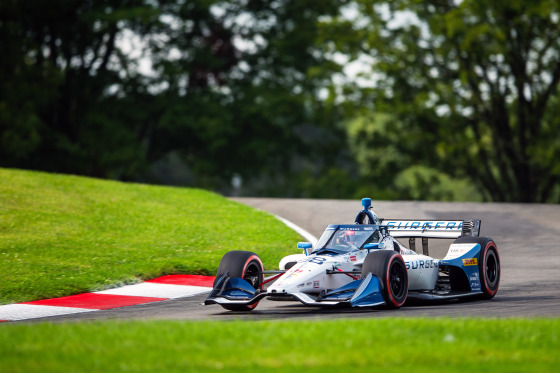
pixel 449 229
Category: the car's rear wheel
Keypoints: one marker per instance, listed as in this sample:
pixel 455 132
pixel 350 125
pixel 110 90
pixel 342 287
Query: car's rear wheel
pixel 242 264
pixel 489 270
pixel 390 268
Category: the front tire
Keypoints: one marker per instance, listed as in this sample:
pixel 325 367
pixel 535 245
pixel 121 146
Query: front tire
pixel 242 264
pixel 390 268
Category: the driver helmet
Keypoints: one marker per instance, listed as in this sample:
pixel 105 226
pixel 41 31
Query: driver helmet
pixel 350 237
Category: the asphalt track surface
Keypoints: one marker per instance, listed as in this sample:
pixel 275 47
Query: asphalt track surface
pixel 526 235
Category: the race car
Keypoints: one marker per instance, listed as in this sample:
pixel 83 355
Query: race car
pixel 364 265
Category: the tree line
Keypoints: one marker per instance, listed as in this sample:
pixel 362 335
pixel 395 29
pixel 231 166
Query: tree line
pixel 452 101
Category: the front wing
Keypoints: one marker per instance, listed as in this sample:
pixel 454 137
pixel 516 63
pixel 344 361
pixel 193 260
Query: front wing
pixel 359 293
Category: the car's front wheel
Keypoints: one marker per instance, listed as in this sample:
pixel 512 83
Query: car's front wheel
pixel 242 264
pixel 390 268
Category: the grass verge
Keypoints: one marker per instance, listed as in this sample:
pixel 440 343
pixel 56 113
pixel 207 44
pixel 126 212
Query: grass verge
pixel 355 345
pixel 62 235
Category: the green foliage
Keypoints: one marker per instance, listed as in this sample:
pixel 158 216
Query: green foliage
pixel 230 84
pixel 258 91
pixel 471 86
pixel 424 183
pixel 368 345
pixel 389 153
pixel 60 59
pixel 62 235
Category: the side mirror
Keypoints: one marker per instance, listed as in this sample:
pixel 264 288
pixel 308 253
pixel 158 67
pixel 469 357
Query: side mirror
pixel 305 246
pixel 374 246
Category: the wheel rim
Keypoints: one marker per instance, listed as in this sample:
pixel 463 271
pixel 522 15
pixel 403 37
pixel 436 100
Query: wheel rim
pixel 396 281
pixel 252 275
pixel 491 270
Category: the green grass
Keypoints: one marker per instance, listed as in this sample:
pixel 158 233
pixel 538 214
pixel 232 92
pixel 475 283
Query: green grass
pixel 356 345
pixel 62 235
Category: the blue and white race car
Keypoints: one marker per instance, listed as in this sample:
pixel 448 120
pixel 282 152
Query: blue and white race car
pixel 364 265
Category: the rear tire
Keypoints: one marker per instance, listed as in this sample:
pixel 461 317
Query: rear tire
pixel 390 268
pixel 489 269
pixel 245 265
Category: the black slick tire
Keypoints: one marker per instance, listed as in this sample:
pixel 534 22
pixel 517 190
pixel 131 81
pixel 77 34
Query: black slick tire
pixel 390 268
pixel 489 269
pixel 242 264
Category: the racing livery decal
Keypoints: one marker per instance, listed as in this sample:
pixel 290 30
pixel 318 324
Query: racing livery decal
pixel 424 225
pixel 458 250
pixel 421 264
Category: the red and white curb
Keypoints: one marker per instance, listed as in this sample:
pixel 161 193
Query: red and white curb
pixel 163 288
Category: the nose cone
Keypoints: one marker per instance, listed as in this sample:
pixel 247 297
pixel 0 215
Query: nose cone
pixel 302 277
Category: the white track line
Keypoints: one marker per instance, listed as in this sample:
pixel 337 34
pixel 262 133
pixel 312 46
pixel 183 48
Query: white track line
pixel 306 234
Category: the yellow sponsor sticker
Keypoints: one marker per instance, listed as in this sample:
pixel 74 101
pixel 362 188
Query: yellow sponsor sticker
pixel 469 261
